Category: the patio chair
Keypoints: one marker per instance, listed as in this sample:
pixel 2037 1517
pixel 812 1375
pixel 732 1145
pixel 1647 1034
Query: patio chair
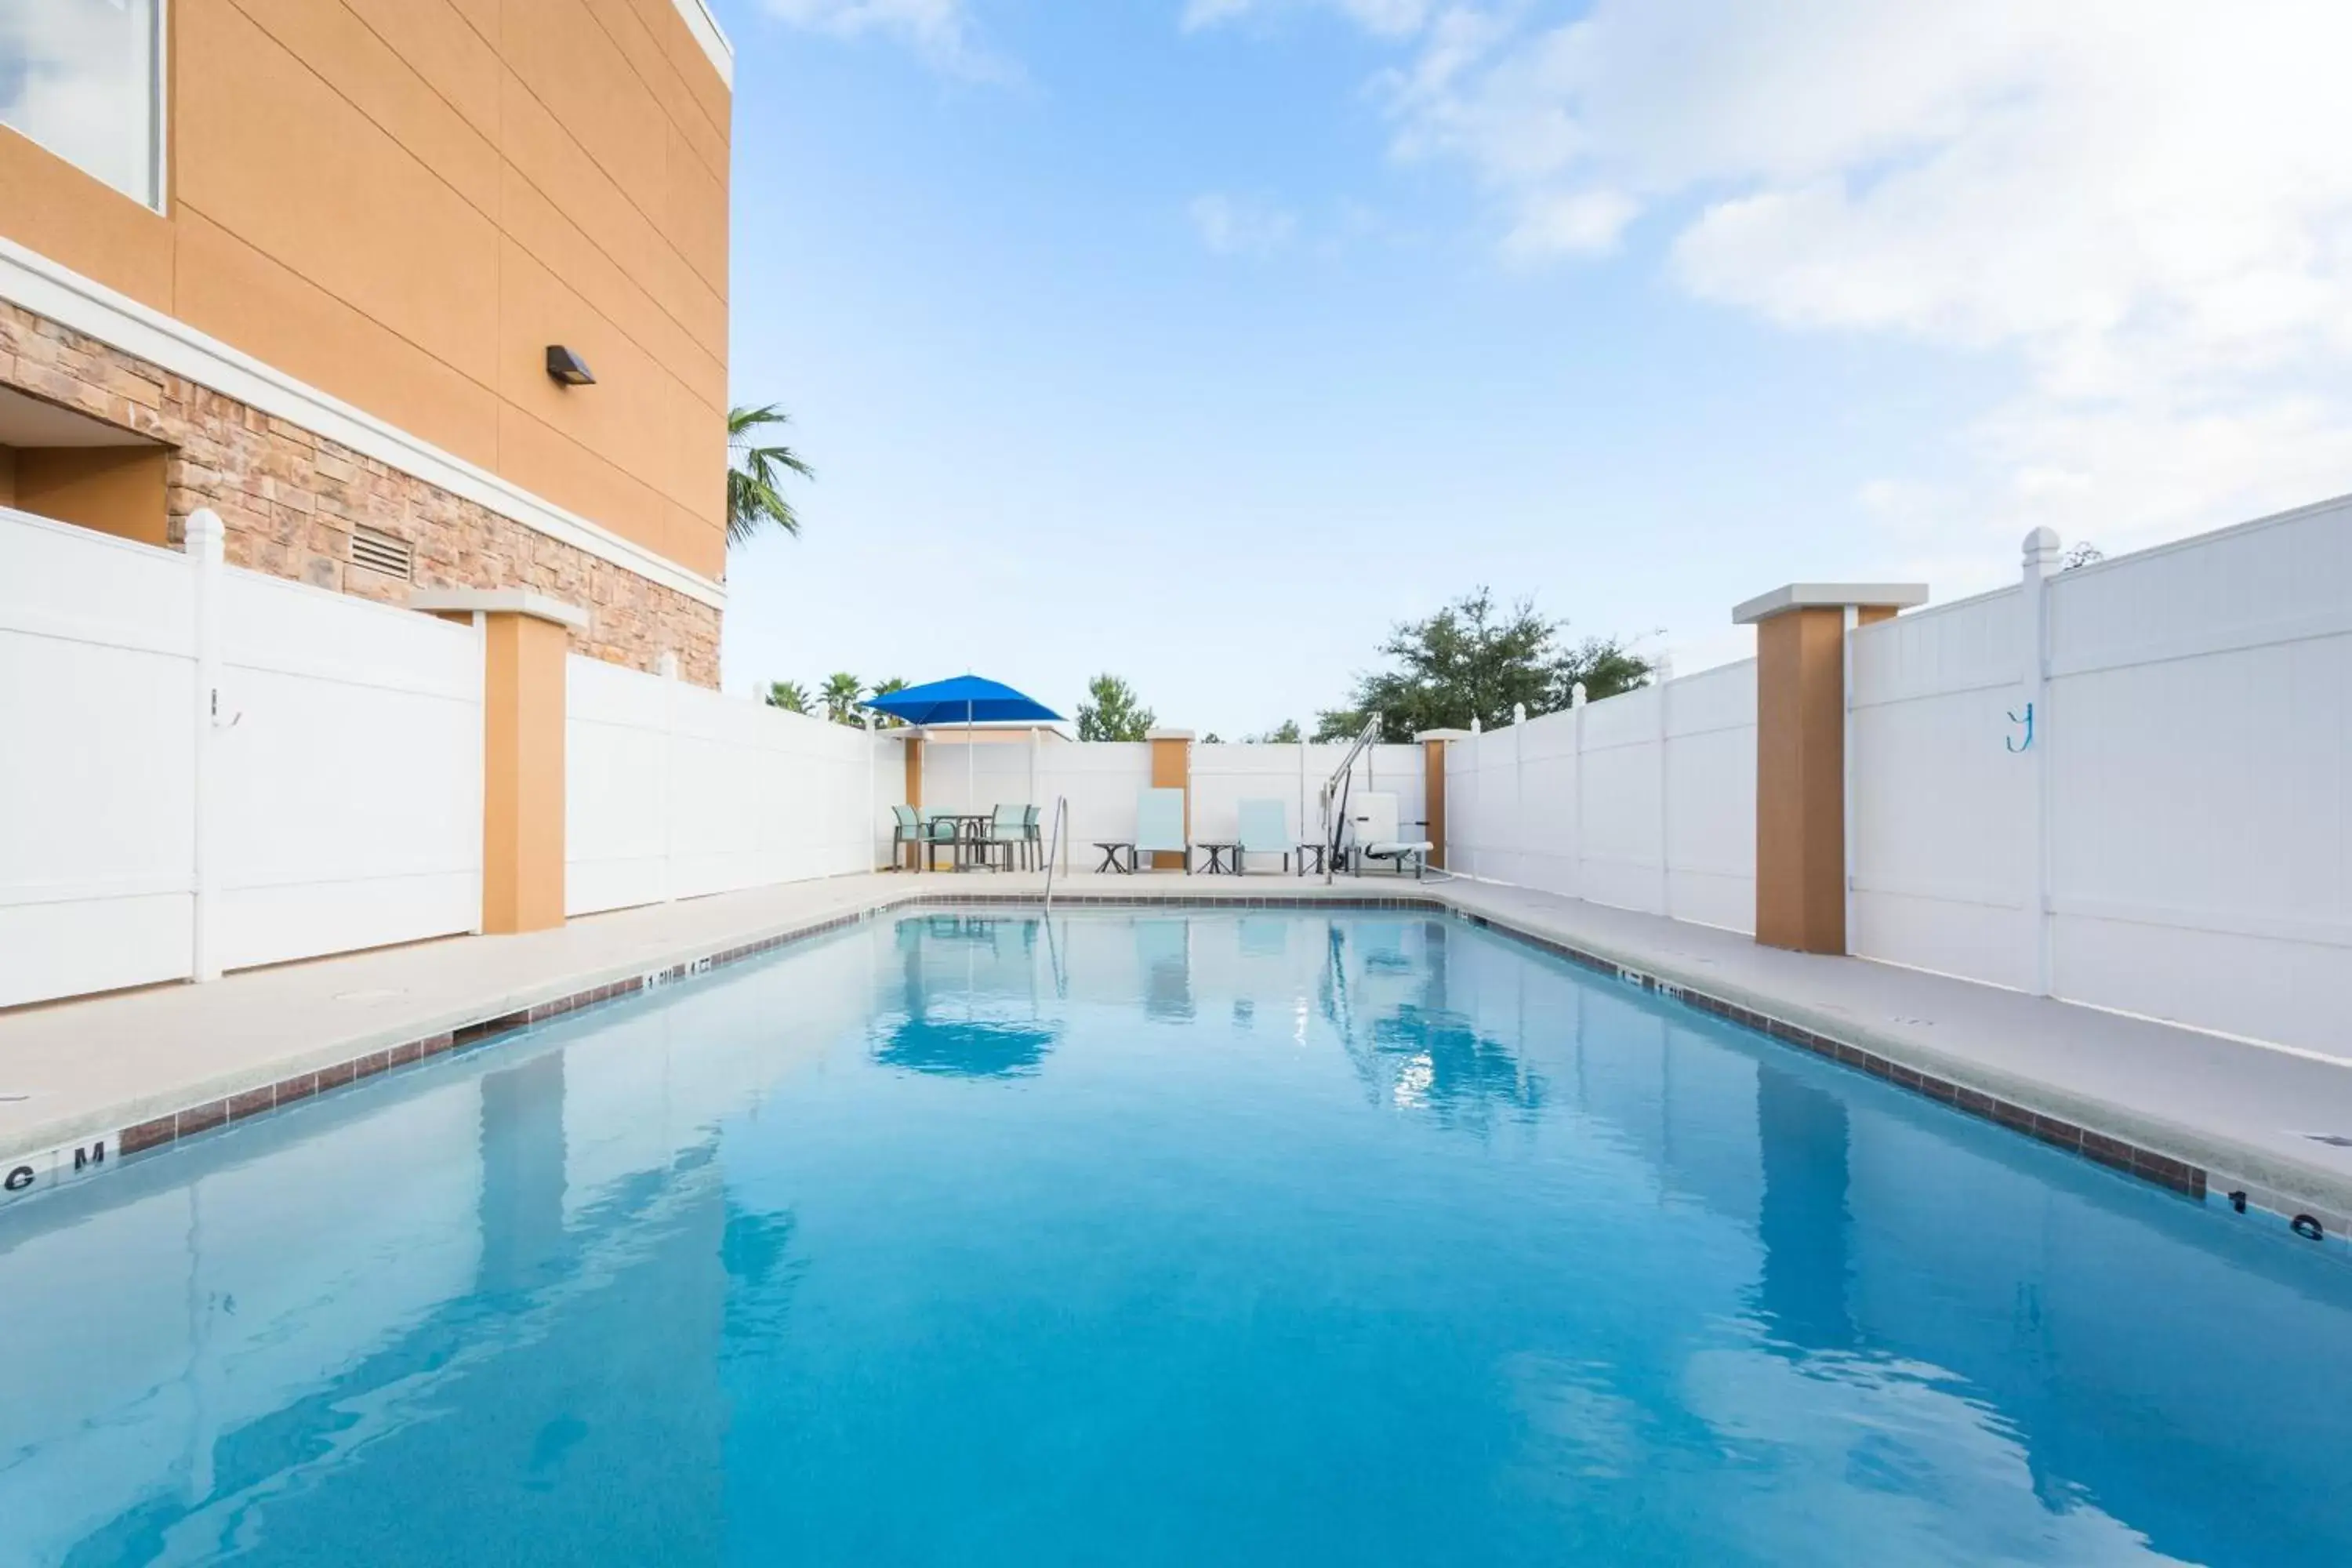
pixel 1008 830
pixel 1375 817
pixel 1265 830
pixel 931 830
pixel 1160 826
pixel 1032 825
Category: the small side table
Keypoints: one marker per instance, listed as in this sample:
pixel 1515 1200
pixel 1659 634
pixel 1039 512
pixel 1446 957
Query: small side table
pixel 1225 855
pixel 1311 852
pixel 1117 855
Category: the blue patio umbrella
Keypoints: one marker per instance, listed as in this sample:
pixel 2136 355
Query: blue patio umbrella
pixel 965 700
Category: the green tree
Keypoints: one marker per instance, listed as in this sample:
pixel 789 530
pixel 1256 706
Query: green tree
pixel 842 694
pixel 789 695
pixel 755 474
pixel 1112 713
pixel 1469 661
pixel 884 689
pixel 1283 734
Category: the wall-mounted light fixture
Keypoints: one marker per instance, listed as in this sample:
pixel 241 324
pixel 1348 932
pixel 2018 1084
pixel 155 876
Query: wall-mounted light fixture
pixel 568 369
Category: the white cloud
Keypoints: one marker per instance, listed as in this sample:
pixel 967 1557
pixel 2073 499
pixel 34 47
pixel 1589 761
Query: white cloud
pixel 1392 18
pixel 1241 226
pixel 1559 223
pixel 2146 203
pixel 941 31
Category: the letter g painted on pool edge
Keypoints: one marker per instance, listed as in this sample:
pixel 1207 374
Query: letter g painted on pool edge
pixel 18 1178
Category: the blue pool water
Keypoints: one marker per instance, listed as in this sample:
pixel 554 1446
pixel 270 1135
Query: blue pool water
pixel 1228 1239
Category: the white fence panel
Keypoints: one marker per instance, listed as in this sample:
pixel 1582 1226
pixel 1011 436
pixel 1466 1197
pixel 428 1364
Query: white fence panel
pixel 1226 774
pixel 616 766
pixel 2200 790
pixel 675 791
pixel 1540 803
pixel 341 807
pixel 98 709
pixel 1943 847
pixel 1643 801
pixel 1624 836
pixel 349 808
pixel 1711 797
pixel 1104 779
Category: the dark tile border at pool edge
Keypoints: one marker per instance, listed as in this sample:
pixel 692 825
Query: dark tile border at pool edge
pixel 215 1114
pixel 2148 1165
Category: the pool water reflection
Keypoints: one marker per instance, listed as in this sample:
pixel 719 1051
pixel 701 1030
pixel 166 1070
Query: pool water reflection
pixel 1231 1238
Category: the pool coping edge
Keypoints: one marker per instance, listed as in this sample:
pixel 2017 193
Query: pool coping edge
pixel 2201 1167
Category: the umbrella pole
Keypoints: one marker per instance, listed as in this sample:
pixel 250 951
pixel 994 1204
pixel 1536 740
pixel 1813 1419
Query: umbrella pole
pixel 971 788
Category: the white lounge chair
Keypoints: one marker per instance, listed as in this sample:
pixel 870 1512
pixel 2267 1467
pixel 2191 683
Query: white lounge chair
pixel 1374 816
pixel 1265 830
pixel 1159 829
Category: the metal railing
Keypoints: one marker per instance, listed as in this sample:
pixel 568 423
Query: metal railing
pixel 1056 835
pixel 1334 796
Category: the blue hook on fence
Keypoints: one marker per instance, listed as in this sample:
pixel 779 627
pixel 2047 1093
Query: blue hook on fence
pixel 2010 741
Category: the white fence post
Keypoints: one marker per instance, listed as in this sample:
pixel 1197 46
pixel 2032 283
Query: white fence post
pixel 205 538
pixel 1577 698
pixel 2040 562
pixel 668 671
pixel 1478 792
pixel 1666 676
pixel 1519 834
pixel 1847 780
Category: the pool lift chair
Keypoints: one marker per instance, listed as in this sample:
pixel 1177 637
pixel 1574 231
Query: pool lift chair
pixel 1365 827
pixel 1375 824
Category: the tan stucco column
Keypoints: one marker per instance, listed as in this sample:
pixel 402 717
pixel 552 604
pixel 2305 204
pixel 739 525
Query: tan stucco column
pixel 1433 788
pixel 1801 774
pixel 525 640
pixel 1171 768
pixel 915 853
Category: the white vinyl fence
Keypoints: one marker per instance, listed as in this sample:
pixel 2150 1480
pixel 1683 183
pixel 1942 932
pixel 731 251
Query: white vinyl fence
pixel 1103 781
pixel 328 797
pixel 673 791
pixel 2177 840
pixel 1645 801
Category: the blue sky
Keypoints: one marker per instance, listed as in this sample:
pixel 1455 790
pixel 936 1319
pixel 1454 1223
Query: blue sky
pixel 1199 343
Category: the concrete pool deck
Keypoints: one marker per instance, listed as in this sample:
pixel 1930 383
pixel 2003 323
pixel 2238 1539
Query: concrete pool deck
pixel 140 1069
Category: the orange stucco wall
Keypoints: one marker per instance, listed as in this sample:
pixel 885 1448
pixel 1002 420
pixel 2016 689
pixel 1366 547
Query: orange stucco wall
pixel 522 773
pixel 1171 768
pixel 114 489
pixel 403 202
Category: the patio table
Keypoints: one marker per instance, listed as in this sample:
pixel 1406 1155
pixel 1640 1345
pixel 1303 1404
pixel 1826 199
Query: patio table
pixel 1117 855
pixel 1314 850
pixel 1225 855
pixel 971 835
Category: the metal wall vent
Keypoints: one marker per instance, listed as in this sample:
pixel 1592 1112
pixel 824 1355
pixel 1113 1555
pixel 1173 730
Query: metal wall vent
pixel 385 553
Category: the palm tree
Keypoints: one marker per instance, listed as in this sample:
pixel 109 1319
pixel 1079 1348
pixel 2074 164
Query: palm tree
pixel 841 694
pixel 884 689
pixel 789 695
pixel 755 474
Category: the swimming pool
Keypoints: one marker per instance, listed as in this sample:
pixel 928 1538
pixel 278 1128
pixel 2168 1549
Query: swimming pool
pixel 1155 1237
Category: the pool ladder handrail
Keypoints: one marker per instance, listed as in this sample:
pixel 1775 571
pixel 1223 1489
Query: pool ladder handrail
pixel 1054 835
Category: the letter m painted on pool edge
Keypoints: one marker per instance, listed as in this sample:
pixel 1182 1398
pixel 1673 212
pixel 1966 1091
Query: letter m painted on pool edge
pixel 90 1156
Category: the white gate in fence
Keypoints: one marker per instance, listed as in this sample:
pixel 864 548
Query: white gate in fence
pixel 207 768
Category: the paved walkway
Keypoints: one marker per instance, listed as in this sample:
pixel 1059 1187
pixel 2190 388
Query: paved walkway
pixel 117 1063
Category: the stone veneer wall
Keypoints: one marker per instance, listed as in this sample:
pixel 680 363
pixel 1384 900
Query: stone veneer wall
pixel 287 499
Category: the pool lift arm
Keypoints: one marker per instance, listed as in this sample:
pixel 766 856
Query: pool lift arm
pixel 1334 796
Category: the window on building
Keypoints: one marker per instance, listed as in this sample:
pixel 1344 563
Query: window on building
pixel 84 79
